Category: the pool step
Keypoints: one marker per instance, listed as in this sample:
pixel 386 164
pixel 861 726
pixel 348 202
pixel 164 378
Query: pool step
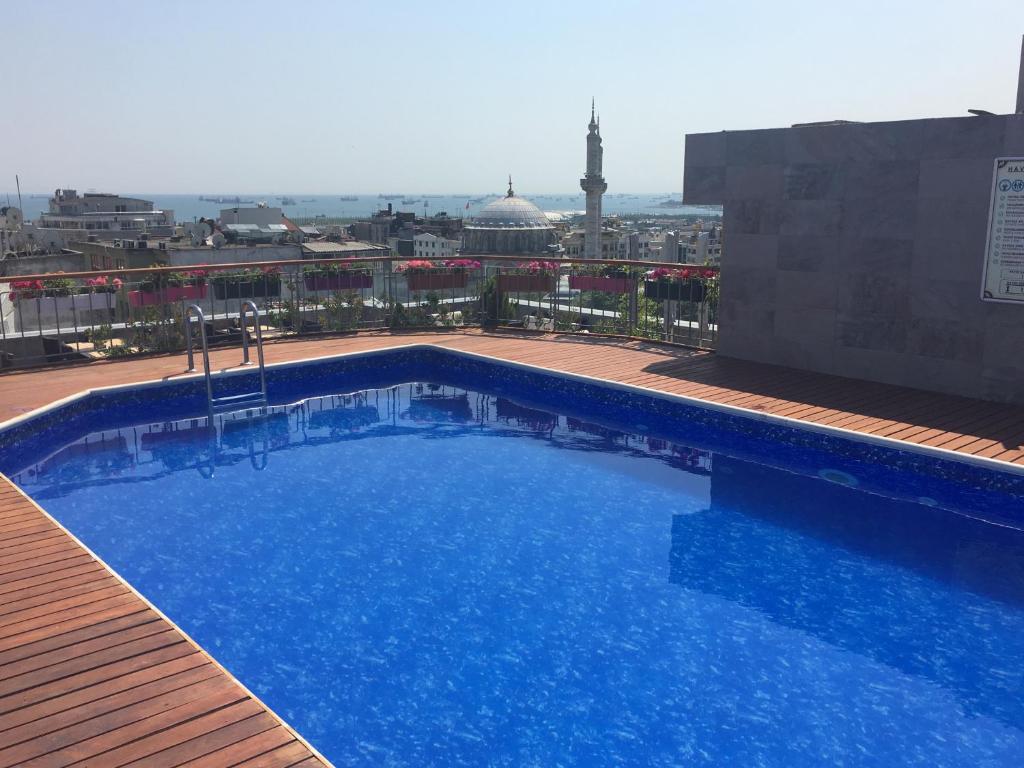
pixel 238 402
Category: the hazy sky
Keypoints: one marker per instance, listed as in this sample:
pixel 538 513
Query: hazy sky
pixel 432 97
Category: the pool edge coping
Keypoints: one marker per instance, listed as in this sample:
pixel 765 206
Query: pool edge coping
pixel 998 465
pixel 314 752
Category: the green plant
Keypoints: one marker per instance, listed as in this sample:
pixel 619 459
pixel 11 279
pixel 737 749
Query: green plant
pixel 494 307
pixel 334 267
pixel 151 282
pixel 343 311
pixel 247 275
pixel 100 336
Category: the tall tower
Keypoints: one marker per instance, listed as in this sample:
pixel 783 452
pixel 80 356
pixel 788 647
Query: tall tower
pixel 593 184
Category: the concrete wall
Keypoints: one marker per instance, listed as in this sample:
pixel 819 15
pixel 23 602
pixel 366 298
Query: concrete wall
pixel 858 250
pixel 43 263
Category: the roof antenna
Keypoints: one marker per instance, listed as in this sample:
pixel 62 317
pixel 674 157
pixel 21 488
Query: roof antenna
pixel 510 192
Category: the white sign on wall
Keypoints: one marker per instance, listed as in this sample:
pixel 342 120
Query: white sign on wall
pixel 1003 277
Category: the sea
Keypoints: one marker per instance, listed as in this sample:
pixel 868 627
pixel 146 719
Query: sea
pixel 192 207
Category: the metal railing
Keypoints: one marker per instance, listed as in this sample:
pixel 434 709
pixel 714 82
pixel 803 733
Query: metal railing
pixel 61 317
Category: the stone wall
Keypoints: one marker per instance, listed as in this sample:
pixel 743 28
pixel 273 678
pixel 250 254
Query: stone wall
pixel 857 249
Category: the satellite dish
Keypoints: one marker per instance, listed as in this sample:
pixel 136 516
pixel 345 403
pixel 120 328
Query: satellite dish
pixel 12 217
pixel 199 232
pixel 218 240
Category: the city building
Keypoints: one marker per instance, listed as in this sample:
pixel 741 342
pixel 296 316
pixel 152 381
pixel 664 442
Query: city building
pixel 574 244
pixel 104 214
pixel 509 225
pixel 441 224
pixel 702 247
pixel 430 246
pixel 71 217
pixel 594 185
pixel 699 246
pixel 384 225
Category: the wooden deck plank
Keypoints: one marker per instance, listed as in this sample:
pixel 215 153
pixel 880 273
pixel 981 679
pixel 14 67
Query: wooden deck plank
pixel 246 749
pixel 36 724
pixel 209 741
pixel 90 673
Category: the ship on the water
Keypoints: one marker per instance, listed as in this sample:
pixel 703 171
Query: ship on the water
pixel 226 200
pixel 287 200
pixel 348 198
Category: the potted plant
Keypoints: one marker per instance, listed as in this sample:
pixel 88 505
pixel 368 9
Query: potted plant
pixel 605 277
pixel 337 276
pixel 98 293
pixel 168 287
pixel 54 295
pixel 529 277
pixel 685 284
pixel 424 275
pixel 247 283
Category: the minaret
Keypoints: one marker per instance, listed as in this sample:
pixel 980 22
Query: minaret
pixel 593 184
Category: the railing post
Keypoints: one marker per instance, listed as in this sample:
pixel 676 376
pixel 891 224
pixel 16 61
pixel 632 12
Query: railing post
pixel 188 341
pixel 243 322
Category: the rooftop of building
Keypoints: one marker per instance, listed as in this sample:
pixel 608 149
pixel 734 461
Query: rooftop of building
pixel 329 247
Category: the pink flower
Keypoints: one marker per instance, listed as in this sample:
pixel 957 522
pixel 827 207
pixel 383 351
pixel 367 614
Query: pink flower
pixel 536 267
pixel 416 264
pixel 462 264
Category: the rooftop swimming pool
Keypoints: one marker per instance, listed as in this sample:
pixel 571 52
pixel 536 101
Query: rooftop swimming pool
pixel 422 557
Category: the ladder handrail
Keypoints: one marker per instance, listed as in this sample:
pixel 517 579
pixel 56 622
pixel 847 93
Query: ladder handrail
pixel 195 309
pixel 246 305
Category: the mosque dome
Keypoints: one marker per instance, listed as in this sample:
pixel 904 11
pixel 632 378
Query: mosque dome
pixel 511 212
pixel 509 225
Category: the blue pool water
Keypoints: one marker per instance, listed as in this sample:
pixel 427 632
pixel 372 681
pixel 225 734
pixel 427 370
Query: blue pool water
pixel 429 574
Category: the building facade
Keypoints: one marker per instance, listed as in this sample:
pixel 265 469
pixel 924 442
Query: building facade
pixel 100 213
pixel 427 245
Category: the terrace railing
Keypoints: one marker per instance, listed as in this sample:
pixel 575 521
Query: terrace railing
pixel 61 317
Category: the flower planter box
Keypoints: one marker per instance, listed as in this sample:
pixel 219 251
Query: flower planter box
pixel 39 312
pixel 598 283
pixel 675 290
pixel 257 287
pixel 94 302
pixel 80 302
pixel 526 283
pixel 343 281
pixel 436 281
pixel 167 295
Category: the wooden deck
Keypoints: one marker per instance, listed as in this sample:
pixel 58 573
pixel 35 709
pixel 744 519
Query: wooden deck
pixel 91 674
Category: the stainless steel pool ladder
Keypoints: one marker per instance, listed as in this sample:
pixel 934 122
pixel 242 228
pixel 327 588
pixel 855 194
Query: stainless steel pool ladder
pixel 229 402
